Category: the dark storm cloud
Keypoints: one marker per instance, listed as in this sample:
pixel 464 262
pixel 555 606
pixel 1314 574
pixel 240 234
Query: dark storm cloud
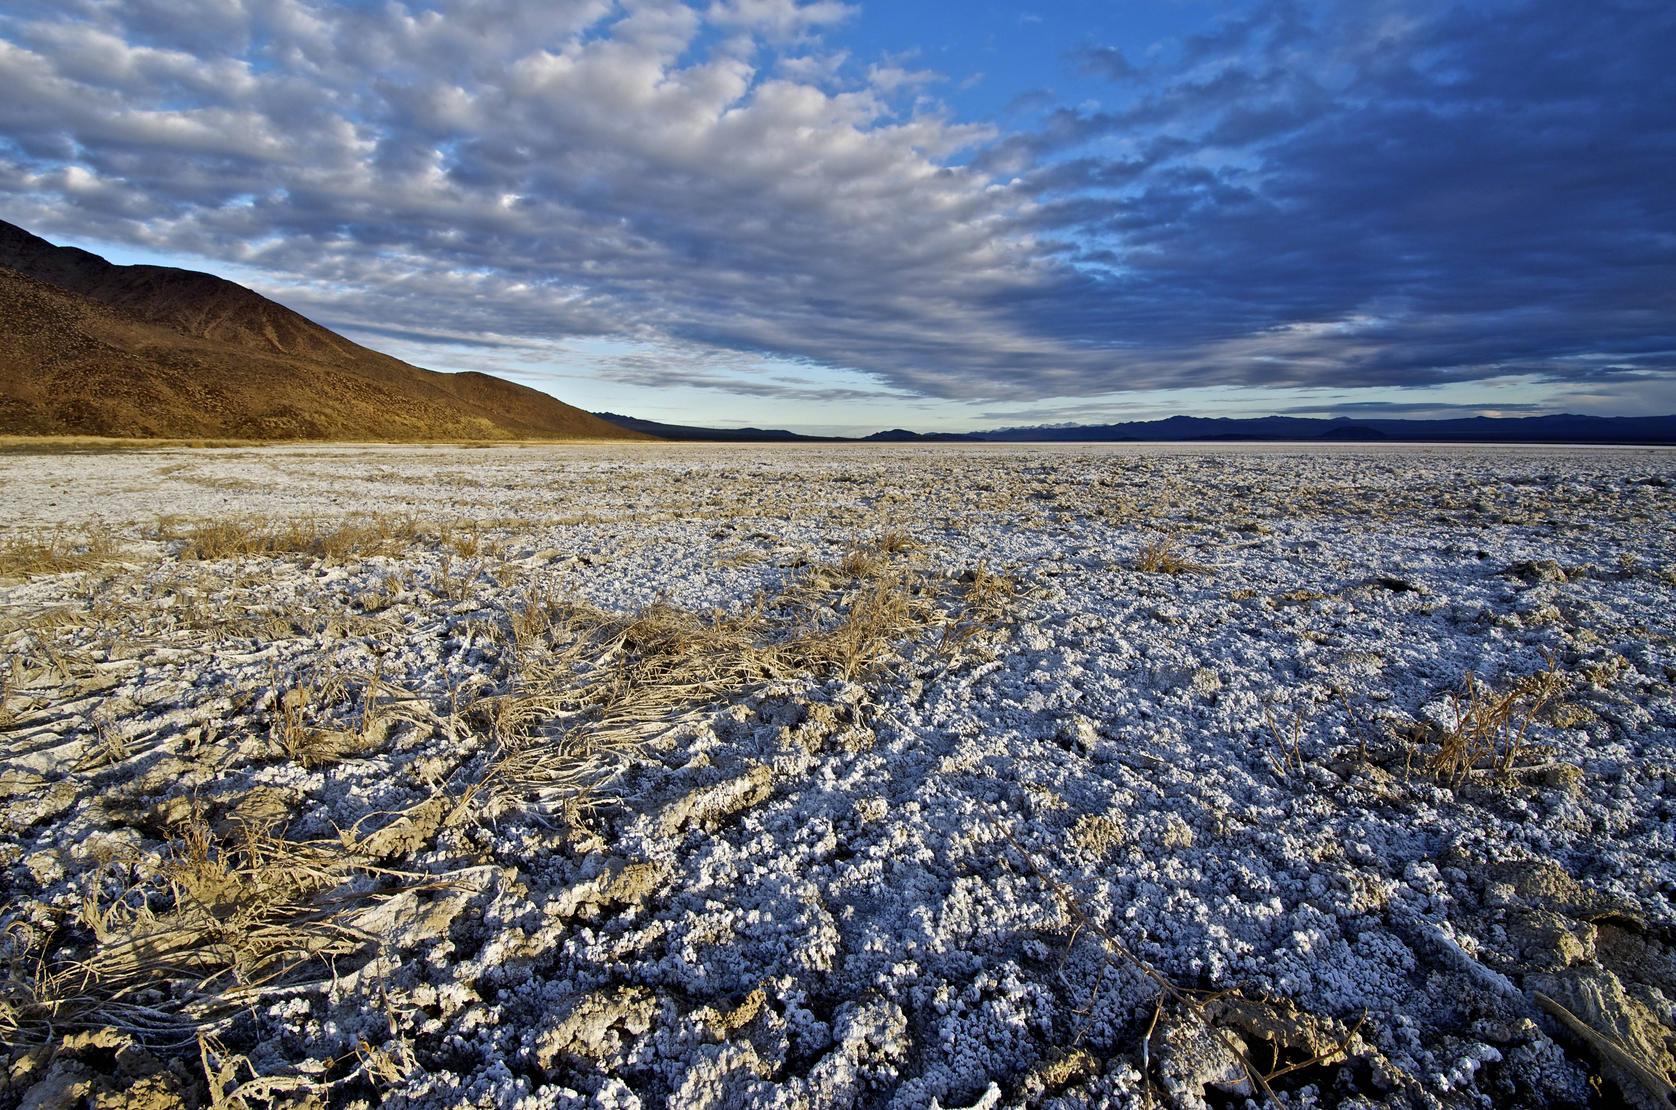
pixel 1380 199
pixel 1380 194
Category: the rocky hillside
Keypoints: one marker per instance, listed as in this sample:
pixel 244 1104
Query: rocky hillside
pixel 93 348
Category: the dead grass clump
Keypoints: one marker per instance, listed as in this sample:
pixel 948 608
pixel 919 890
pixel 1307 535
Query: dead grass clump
pixel 184 950
pixel 986 594
pixel 846 624
pixel 741 557
pixel 467 543
pixel 532 621
pixel 1162 556
pixel 310 745
pixel 331 716
pixel 592 687
pixel 895 543
pixel 57 552
pixel 234 1084
pixel 1288 754
pixel 857 564
pixel 360 537
pixel 1489 729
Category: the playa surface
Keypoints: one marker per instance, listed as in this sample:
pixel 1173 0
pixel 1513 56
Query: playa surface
pixel 953 776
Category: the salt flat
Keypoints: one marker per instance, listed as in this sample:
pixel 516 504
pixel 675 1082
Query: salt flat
pixel 701 776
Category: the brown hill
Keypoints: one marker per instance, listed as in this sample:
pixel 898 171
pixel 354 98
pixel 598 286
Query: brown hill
pixel 91 348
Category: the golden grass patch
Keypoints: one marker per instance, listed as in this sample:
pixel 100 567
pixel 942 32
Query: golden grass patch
pixel 57 552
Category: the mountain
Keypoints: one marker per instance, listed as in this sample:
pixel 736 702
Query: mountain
pixel 903 435
pixel 1354 433
pixel 694 433
pixel 1477 429
pixel 93 348
pixel 711 435
pixel 1560 428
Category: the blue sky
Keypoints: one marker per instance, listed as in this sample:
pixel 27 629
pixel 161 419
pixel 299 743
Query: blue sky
pixel 845 216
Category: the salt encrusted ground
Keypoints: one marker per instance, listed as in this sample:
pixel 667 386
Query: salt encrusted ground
pixel 1087 834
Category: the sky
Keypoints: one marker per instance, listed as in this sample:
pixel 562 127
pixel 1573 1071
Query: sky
pixel 841 216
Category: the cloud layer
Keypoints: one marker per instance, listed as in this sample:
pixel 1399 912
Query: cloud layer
pixel 1376 194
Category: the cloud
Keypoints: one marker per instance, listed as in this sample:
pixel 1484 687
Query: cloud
pixel 1402 410
pixel 889 77
pixel 813 69
pixel 567 172
pixel 670 369
pixel 1103 61
pixel 779 19
pixel 1028 101
pixel 1307 195
pixel 1347 199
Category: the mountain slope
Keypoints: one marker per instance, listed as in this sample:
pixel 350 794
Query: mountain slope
pixel 98 349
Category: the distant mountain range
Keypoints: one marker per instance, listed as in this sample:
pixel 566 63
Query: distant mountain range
pixel 711 435
pixel 1565 428
pixel 92 348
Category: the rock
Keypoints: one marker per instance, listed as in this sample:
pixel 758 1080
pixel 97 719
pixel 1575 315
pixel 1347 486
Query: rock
pixel 1078 732
pixel 1396 585
pixel 1622 1033
pixel 711 805
pixel 594 1025
pixel 1195 1056
pixel 1537 571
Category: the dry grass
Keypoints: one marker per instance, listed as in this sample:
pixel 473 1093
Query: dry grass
pixel 170 947
pixel 311 746
pixel 1163 556
pixel 1490 729
pixel 593 687
pixel 57 552
pixel 234 1084
pixel 895 543
pixel 359 537
pixel 741 557
pixel 328 714
pixel 468 542
pixel 180 952
pixel 87 445
pixel 1288 755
